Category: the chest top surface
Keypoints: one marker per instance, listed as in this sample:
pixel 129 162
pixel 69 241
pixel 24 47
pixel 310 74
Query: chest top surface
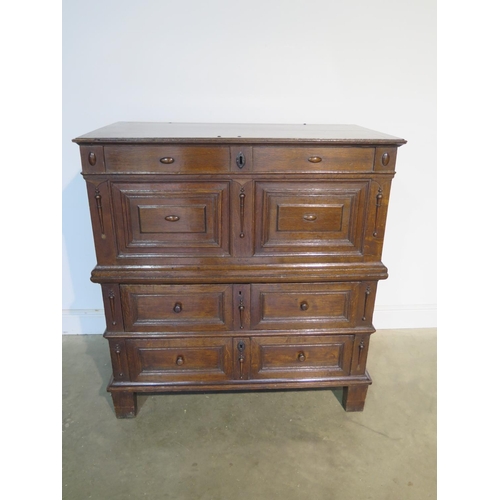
pixel 213 133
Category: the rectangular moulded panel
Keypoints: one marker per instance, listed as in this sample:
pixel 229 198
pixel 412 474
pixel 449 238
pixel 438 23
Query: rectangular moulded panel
pixel 177 308
pixel 165 159
pixel 310 217
pixel 301 357
pixel 172 218
pixel 310 159
pixel 283 306
pixel 180 360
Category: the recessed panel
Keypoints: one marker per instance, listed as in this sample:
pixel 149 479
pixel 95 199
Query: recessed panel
pixel 285 306
pixel 301 357
pixel 180 360
pixel 310 218
pixel 173 308
pixel 172 219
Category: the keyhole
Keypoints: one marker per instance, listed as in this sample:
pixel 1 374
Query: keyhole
pixel 240 160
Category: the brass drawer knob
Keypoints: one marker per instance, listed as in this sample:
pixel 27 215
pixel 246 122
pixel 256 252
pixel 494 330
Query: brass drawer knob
pixel 172 218
pixel 314 159
pixel 304 306
pixel 179 361
pixel 301 357
pixel 167 160
pixel 310 217
pixel 178 307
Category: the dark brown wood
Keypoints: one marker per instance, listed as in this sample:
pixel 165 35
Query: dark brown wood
pixel 112 307
pixel 92 158
pixel 353 397
pixel 385 159
pixel 125 404
pixel 301 356
pixel 238 257
pixel 177 308
pixel 236 133
pixel 337 210
pixel 312 159
pixel 167 159
pixel 172 219
pixel 180 360
pixel 281 306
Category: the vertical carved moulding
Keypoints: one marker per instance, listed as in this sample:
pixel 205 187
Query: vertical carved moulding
pixel 112 307
pixel 367 294
pixel 361 348
pixel 242 212
pixel 98 202
pixel 119 367
pixel 241 309
pixel 241 357
pixel 360 354
pixel 378 204
pixel 111 298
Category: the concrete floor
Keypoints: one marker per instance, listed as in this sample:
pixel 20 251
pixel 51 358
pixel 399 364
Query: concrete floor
pixel 265 445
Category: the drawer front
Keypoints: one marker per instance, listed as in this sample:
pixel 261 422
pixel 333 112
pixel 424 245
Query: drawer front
pixel 180 360
pixel 309 159
pixel 284 306
pixel 310 217
pixel 301 357
pixel 167 159
pixel 171 218
pixel 176 308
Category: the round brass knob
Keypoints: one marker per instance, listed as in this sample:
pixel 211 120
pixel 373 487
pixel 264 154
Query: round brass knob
pixel 178 307
pixel 179 361
pixel 304 306
pixel 301 356
pixel 167 160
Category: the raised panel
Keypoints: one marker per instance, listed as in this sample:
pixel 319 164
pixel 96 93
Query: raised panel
pixel 180 360
pixel 299 357
pixel 300 217
pixel 284 306
pixel 172 218
pixel 177 308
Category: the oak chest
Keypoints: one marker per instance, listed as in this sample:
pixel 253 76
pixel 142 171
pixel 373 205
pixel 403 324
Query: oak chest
pixel 237 256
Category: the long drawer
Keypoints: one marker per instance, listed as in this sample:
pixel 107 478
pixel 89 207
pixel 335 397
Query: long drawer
pixel 311 159
pixel 167 159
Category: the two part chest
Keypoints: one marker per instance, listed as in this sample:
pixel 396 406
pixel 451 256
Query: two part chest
pixel 237 266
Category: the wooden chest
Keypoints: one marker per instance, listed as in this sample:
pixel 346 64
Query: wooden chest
pixel 238 257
